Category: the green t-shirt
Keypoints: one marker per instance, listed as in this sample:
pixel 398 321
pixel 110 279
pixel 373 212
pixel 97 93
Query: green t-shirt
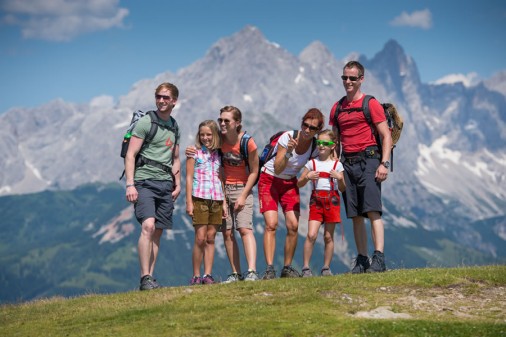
pixel 160 149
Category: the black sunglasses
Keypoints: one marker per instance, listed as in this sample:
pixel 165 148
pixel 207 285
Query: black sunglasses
pixel 310 127
pixel 165 98
pixel 352 78
pixel 226 121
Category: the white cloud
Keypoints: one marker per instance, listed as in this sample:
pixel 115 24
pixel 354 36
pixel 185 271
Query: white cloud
pixel 468 80
pixel 418 19
pixel 62 20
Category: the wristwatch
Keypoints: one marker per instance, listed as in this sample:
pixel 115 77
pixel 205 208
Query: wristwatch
pixel 386 163
pixel 288 155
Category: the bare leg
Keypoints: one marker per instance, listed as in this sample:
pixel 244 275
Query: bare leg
pixel 377 231
pixel 198 248
pixel 232 250
pixel 312 235
pixel 145 246
pixel 328 238
pixel 271 224
pixel 209 249
pixel 292 228
pixel 360 235
pixel 250 247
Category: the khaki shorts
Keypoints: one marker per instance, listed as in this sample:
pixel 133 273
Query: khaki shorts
pixel 243 218
pixel 207 212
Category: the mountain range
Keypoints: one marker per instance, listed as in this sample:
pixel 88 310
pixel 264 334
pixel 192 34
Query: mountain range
pixel 449 179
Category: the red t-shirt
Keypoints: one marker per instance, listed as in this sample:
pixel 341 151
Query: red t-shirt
pixel 356 134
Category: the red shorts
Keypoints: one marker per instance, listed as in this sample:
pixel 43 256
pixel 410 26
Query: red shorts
pixel 273 191
pixel 324 206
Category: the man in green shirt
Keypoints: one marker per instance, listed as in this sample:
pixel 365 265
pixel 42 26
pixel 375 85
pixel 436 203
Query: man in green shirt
pixel 154 185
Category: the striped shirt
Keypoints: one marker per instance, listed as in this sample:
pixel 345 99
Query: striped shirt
pixel 206 175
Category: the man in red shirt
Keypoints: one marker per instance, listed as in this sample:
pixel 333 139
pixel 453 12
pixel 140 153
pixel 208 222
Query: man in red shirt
pixel 365 165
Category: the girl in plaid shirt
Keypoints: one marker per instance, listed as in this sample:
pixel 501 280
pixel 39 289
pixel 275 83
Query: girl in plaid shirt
pixel 205 198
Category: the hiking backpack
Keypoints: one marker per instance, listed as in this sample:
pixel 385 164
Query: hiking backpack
pixel 394 121
pixel 139 159
pixel 268 151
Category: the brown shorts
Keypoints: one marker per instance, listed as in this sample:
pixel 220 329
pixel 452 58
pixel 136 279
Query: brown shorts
pixel 243 218
pixel 207 212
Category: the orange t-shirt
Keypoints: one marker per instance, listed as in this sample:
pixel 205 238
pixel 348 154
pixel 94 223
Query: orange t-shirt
pixel 234 164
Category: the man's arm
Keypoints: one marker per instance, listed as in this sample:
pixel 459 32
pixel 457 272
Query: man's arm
pixel 133 149
pixel 176 170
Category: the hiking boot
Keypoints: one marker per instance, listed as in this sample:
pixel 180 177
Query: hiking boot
pixel 148 283
pixel 251 276
pixel 234 277
pixel 306 272
pixel 208 279
pixel 378 263
pixel 326 272
pixel 289 271
pixel 361 264
pixel 270 273
pixel 195 280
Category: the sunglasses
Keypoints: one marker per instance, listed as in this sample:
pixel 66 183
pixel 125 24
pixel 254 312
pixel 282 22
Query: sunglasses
pixel 310 127
pixel 165 98
pixel 222 120
pixel 324 143
pixel 352 78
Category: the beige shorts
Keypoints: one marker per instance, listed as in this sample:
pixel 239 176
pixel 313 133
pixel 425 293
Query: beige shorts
pixel 207 212
pixel 243 218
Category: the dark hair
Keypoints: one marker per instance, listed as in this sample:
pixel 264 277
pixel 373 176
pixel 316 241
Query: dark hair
pixel 314 113
pixel 355 64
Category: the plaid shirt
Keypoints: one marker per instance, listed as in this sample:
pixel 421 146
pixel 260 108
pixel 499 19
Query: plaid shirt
pixel 206 175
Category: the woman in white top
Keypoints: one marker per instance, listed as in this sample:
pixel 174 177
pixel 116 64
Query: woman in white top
pixel 278 186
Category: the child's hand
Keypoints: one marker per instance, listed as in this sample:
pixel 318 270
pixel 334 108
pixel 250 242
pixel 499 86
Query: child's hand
pixel 336 175
pixel 225 210
pixel 313 175
pixel 189 209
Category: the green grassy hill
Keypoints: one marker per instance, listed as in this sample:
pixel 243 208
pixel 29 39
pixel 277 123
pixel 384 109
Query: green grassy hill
pixel 467 301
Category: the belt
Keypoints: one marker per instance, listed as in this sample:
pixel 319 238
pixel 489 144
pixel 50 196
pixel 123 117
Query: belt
pixel 235 185
pixel 323 193
pixel 355 157
pixel 280 176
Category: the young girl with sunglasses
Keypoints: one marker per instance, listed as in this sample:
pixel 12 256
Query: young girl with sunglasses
pixel 327 177
pixel 205 198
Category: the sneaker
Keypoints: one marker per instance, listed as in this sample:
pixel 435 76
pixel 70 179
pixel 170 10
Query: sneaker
pixel 234 277
pixel 326 271
pixel 251 276
pixel 208 279
pixel 306 272
pixel 270 273
pixel 361 264
pixel 289 271
pixel 148 283
pixel 378 263
pixel 156 284
pixel 195 280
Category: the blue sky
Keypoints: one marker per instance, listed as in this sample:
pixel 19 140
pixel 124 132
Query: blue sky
pixel 77 50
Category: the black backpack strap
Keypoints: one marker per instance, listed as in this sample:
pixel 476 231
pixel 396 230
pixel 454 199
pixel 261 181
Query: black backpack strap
pixel 365 109
pixel 243 147
pixel 154 127
pixel 337 111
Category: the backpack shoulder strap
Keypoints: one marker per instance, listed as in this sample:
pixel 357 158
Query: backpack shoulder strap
pixel 313 146
pixel 314 169
pixel 337 111
pixel 243 147
pixel 154 126
pixel 365 108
